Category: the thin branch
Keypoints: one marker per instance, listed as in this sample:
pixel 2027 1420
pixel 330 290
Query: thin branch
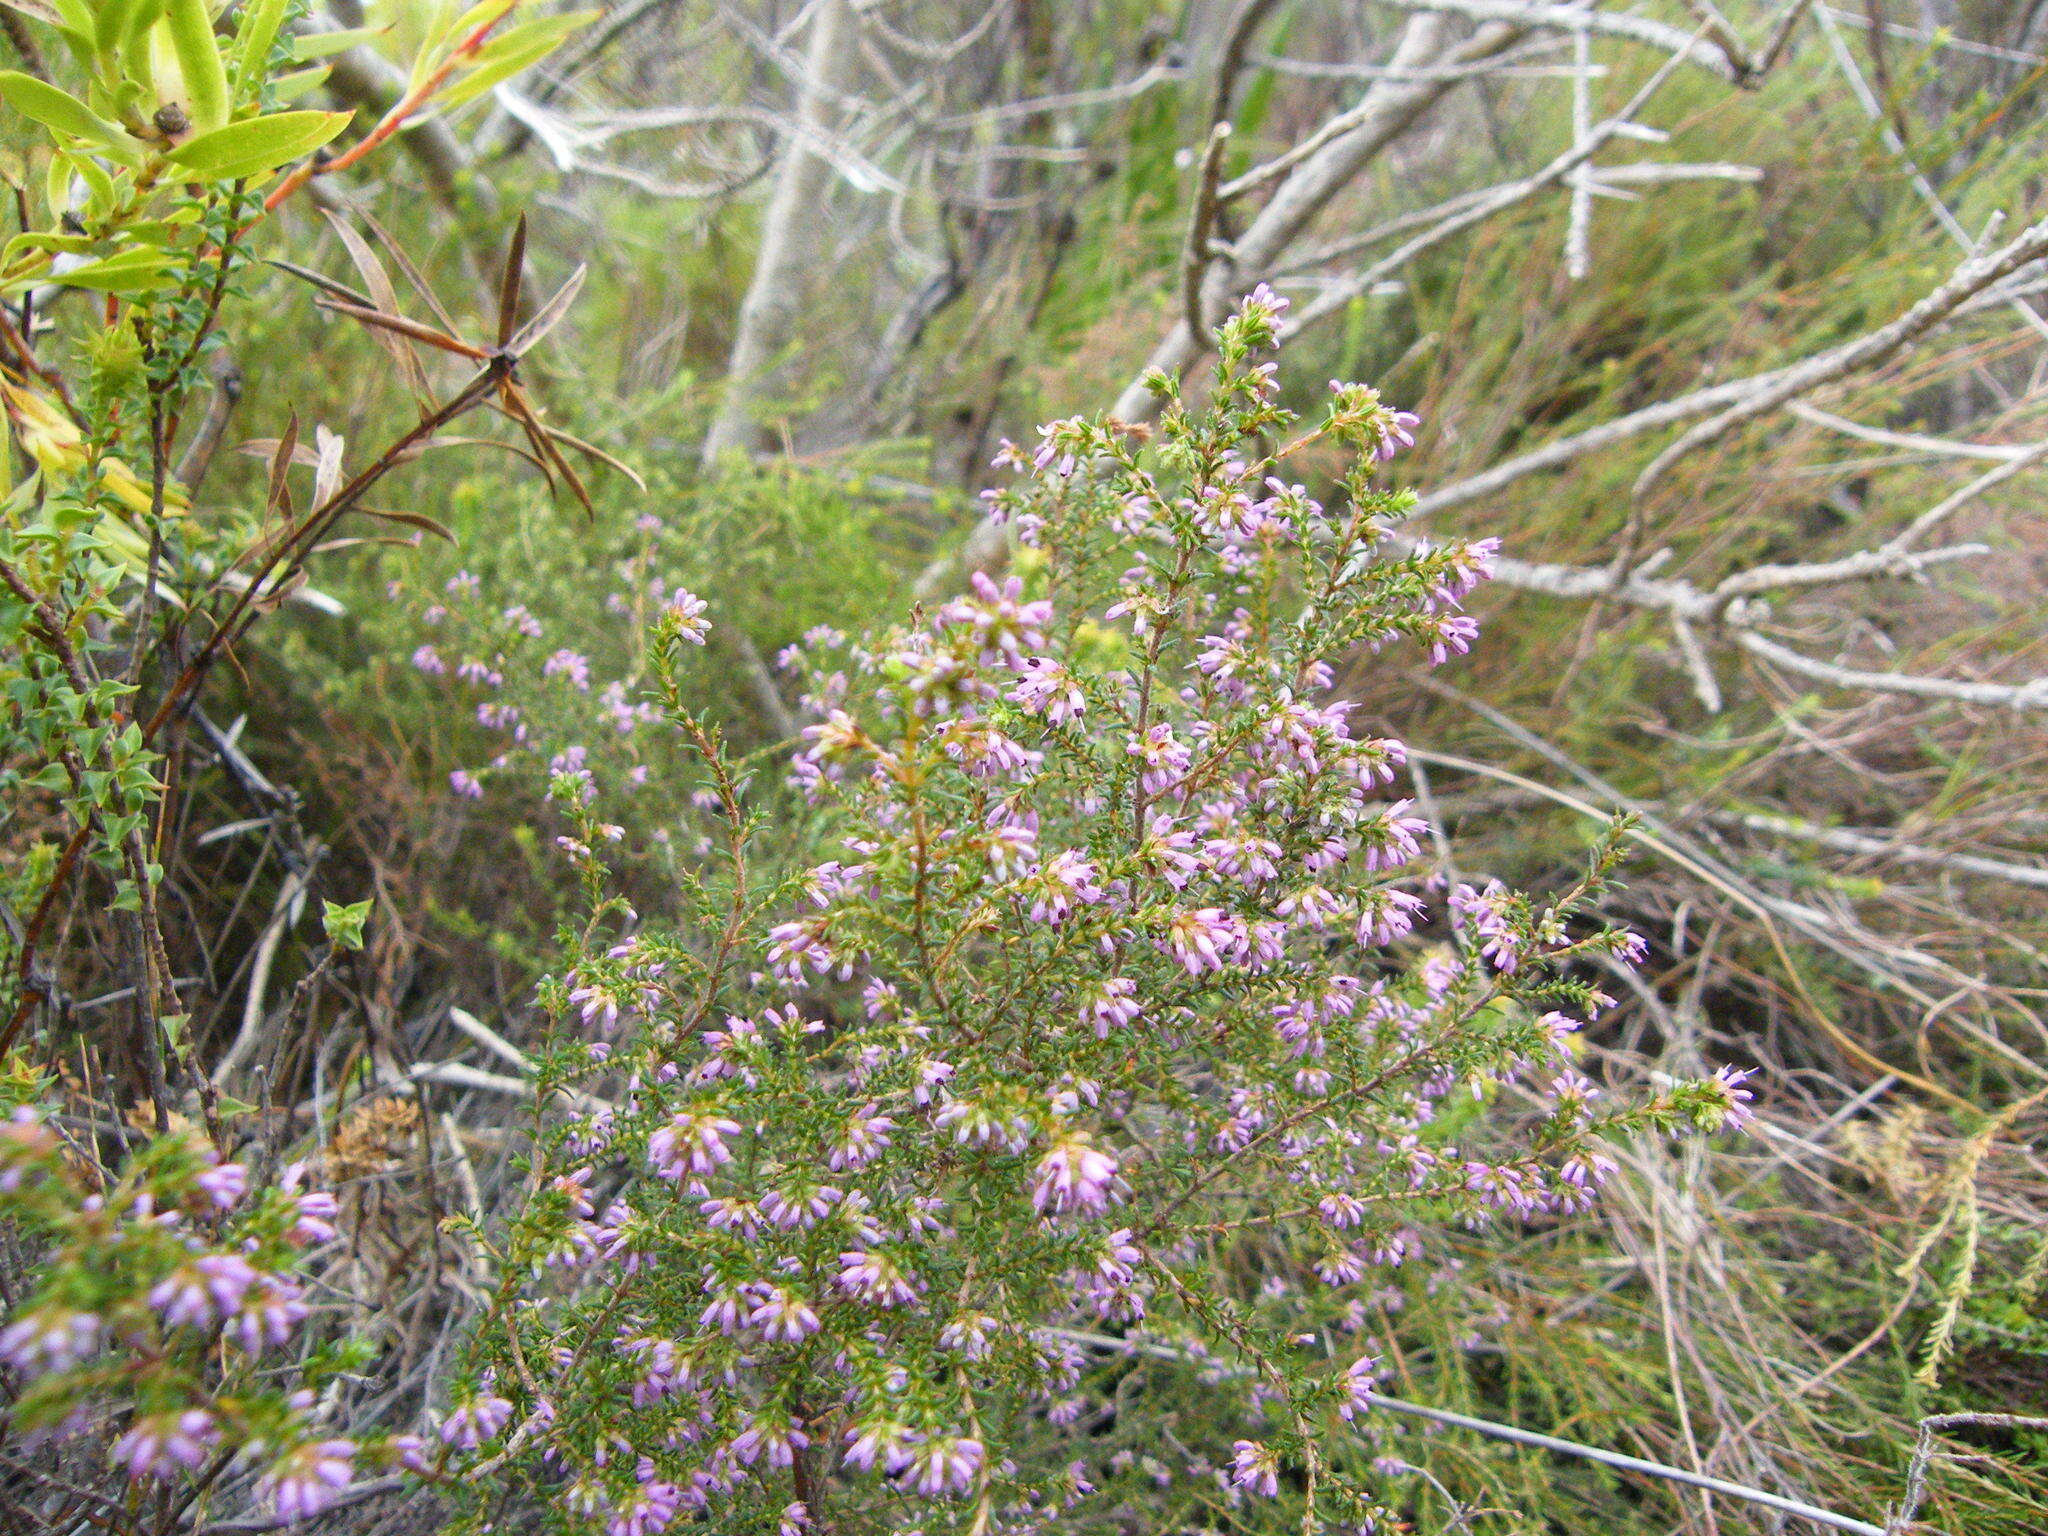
pixel 1780 38
pixel 1873 109
pixel 1913 442
pixel 1942 38
pixel 1196 254
pixel 1724 35
pixel 1339 294
pixel 1620 1462
pixel 339 1498
pixel 2028 696
pixel 1122 1346
pixel 1686 46
pixel 1578 236
pixel 1873 845
pixel 1963 495
pixel 1310 186
pixel 1976 274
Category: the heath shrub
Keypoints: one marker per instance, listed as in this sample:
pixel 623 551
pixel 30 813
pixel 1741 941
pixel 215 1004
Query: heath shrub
pixel 860 1195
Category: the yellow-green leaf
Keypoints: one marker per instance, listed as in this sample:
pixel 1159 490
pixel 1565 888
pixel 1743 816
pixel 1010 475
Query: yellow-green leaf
pixel 190 23
pixel 258 146
pixel 44 103
pixel 298 83
pixel 503 57
pixel 128 272
pixel 321 45
pixel 253 39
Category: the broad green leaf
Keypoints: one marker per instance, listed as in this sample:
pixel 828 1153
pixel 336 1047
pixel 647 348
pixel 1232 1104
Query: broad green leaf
pixel 45 104
pixel 57 188
pixel 44 240
pixel 344 923
pixel 300 82
pixel 71 17
pixel 503 57
pixel 258 146
pixel 129 272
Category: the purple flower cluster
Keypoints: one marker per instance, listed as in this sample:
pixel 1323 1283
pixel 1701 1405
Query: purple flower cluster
pixel 180 1265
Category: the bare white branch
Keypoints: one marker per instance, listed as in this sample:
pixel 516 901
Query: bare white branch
pixel 1976 273
pixel 1914 442
pixel 1567 18
pixel 2029 695
pixel 1890 846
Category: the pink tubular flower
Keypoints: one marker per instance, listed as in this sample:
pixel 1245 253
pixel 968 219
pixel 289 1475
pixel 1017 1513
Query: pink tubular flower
pixel 881 1441
pixel 1113 1005
pixel 466 784
pixel 1049 689
pixel 1065 881
pixel 691 1143
pixel 306 1479
pixel 1204 939
pixel 1074 1176
pixel 1470 564
pixel 764 1437
pixel 268 1314
pixel 783 1317
pixel 1453 632
pixel 1734 1099
pixel 314 1212
pixel 946 1465
pixel 483 1417
pixel 1255 1467
pixel 686 611
pixel 1358 1386
pixel 224 1185
pixel 164 1444
pixel 1385 915
pixel 803 1207
pixel 1341 1210
pixel 198 1293
pixel 1162 759
pixel 793 945
pixel 874 1277
pixel 50 1339
pixel 1389 837
pixel 573 665
pixel 867 1133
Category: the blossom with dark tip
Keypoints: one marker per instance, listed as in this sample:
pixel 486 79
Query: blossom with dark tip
pixel 1255 1467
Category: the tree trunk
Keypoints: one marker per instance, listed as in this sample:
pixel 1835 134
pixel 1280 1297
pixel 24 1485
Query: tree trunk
pixel 789 231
